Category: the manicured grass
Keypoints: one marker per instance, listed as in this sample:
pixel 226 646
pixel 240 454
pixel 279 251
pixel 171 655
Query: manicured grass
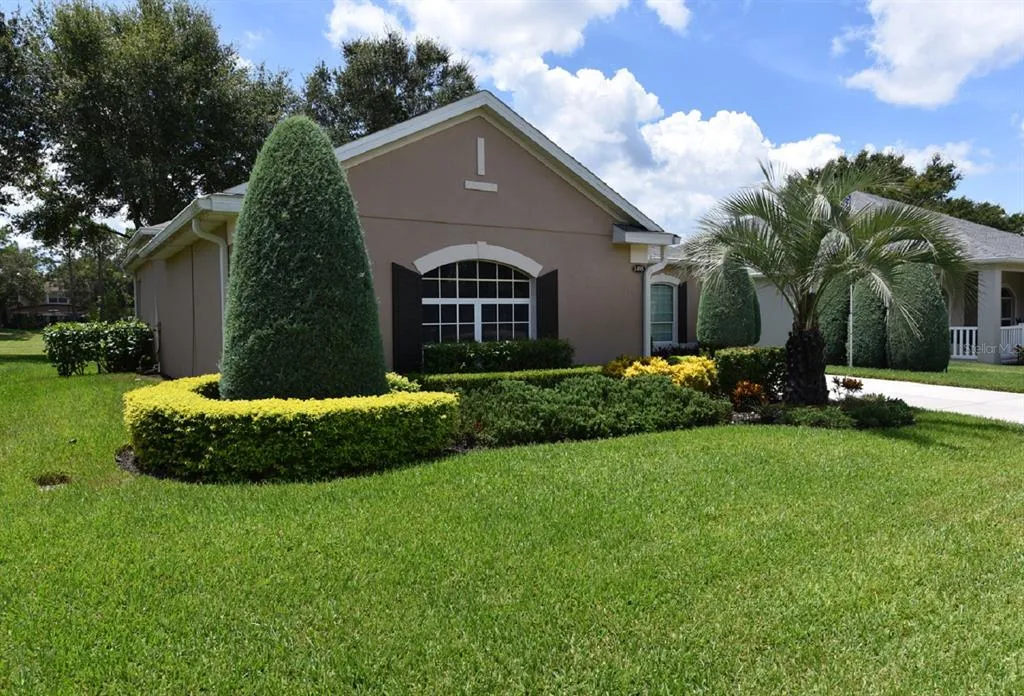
pixel 14 342
pixel 737 559
pixel 961 373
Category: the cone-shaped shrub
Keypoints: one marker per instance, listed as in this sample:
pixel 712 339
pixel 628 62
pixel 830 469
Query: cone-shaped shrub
pixel 728 314
pixel 833 320
pixel 927 349
pixel 868 327
pixel 301 318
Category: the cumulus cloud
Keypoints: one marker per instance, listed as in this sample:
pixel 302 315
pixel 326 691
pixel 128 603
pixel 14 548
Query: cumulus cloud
pixel 351 18
pixel 924 51
pixel 674 14
pixel 961 152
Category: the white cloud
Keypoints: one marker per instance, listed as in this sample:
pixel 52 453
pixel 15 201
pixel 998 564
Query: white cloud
pixel 924 51
pixel 244 63
pixel 351 18
pixel 252 39
pixel 961 152
pixel 674 14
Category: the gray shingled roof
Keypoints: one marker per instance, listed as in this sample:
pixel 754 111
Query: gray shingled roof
pixel 981 243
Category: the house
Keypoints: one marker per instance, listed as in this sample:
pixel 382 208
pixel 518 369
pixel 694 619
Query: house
pixel 55 306
pixel 986 317
pixel 477 226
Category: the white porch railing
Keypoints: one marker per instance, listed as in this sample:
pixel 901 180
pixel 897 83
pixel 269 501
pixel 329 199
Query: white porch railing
pixel 963 341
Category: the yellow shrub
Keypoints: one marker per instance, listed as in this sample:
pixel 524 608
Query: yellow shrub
pixel 692 371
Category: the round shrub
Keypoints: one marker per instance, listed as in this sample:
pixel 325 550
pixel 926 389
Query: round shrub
pixel 301 317
pixel 181 428
pixel 927 348
pixel 869 339
pixel 728 313
pixel 693 371
pixel 764 366
pixel 833 321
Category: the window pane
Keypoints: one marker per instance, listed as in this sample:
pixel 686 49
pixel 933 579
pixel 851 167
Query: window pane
pixel 465 313
pixel 505 272
pixel 521 312
pixel 488 288
pixel 519 275
pixel 467 269
pixel 488 269
pixel 467 288
pixel 662 303
pixel 522 331
pixel 505 312
pixel 522 289
pixel 662 332
pixel 449 332
pixel 433 273
pixel 447 288
pixel 466 332
pixel 431 334
pixel 431 314
pixel 430 288
pixel 504 289
pixel 489 312
pixel 448 270
pixel 489 332
pixel 448 314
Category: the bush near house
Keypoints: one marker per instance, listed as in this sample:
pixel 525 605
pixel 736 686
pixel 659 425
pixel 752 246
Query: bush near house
pixel 692 371
pixel 484 380
pixel 925 349
pixel 301 317
pixel 869 335
pixel 728 314
pixel 181 428
pixel 833 321
pixel 496 356
pixel 764 366
pixel 582 408
pixel 119 346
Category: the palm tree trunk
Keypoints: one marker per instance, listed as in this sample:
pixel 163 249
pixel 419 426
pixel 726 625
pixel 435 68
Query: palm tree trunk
pixel 805 363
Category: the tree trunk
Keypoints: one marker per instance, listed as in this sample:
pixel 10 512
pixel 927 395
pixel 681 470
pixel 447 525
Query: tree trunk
pixel 805 363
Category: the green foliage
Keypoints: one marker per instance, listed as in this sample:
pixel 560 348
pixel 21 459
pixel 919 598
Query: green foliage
pixel 728 313
pixel 120 346
pixel 1018 351
pixel 180 428
pixel 21 280
pixel 763 366
pixel 148 108
pixel 877 411
pixel 306 325
pixel 869 334
pixel 815 417
pixel 383 81
pixel 399 383
pixel 833 321
pixel 471 381
pixel 21 85
pixel 515 412
pixel 497 356
pixel 925 349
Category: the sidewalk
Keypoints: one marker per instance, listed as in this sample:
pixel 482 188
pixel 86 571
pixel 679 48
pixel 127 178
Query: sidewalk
pixel 972 402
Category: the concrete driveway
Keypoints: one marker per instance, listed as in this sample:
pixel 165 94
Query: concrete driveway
pixel 971 402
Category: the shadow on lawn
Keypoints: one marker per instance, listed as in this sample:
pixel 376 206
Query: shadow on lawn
pixel 20 358
pixel 947 431
pixel 16 335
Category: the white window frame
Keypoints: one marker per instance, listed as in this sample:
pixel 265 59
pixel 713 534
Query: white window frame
pixel 1011 319
pixel 478 302
pixel 674 283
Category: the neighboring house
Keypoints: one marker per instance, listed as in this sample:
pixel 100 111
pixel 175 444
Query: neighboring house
pixel 477 227
pixel 986 318
pixel 55 306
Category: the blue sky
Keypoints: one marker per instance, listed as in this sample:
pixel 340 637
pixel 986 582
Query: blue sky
pixel 673 102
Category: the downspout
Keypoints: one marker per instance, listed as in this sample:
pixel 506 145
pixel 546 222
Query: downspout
pixel 649 272
pixel 222 246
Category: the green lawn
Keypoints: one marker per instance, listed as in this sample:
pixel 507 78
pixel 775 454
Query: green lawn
pixel 961 373
pixel 736 559
pixel 21 344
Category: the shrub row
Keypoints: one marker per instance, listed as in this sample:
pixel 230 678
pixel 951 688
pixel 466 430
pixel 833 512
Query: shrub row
pixel 496 356
pixel 692 371
pixel 181 428
pixel 594 406
pixel 763 366
pixel 864 412
pixel 483 380
pixel 119 346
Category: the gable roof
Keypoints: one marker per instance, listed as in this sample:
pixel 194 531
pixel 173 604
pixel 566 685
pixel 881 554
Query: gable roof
pixel 489 105
pixel 982 244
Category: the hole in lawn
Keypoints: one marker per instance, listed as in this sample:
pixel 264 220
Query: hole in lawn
pixel 52 479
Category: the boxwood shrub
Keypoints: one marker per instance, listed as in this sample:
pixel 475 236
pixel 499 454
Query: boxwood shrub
pixel 181 428
pixel 514 412
pixel 484 380
pixel 764 366
pixel 496 356
pixel 119 346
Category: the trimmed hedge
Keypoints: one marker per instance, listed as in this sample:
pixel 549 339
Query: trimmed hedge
pixel 181 428
pixel 691 371
pixel 301 316
pixel 483 380
pixel 119 346
pixel 497 356
pixel 833 321
pixel 877 411
pixel 869 335
pixel 927 350
pixel 729 313
pixel 763 366
pixel 582 408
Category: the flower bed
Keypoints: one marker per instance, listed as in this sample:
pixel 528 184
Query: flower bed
pixel 181 428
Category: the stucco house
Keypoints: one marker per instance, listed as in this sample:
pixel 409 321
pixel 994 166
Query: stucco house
pixel 986 317
pixel 478 227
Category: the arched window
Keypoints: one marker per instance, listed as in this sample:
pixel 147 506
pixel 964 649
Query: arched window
pixel 663 314
pixel 1008 307
pixel 476 300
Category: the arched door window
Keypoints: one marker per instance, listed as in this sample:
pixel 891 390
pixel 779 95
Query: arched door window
pixel 476 301
pixel 663 314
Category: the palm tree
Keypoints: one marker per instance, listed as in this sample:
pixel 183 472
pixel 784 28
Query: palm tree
pixel 801 234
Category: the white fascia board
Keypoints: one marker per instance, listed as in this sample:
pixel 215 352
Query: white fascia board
pixel 621 236
pixel 215 202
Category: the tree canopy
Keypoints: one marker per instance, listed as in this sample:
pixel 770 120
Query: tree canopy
pixel 21 103
pixel 383 81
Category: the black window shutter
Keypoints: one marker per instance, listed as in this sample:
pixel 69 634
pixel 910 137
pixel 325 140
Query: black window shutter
pixel 406 318
pixel 547 305
pixel 681 317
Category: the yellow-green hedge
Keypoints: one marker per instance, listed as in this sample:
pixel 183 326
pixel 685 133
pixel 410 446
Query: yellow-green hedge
pixel 180 428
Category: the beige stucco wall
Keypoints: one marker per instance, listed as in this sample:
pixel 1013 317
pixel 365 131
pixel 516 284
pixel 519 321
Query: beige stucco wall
pixel 412 201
